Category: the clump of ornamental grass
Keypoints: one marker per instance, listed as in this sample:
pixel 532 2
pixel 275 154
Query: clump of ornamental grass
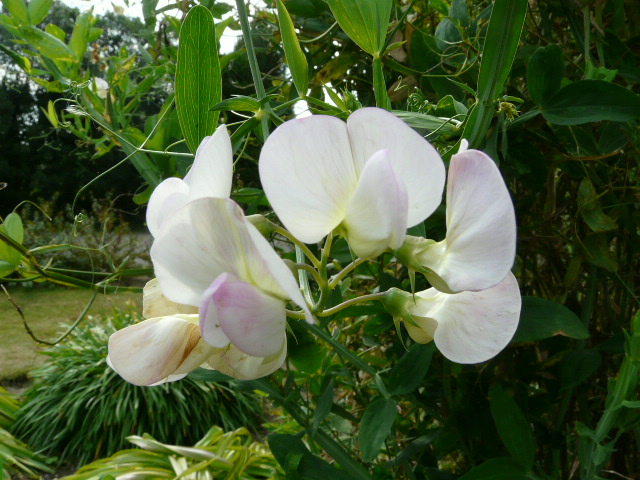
pixel 218 455
pixel 79 409
pixel 16 458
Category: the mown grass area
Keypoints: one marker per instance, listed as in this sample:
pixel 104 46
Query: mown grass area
pixel 45 309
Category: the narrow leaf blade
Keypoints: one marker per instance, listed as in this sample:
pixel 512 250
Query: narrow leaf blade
pixel 295 56
pixel 198 83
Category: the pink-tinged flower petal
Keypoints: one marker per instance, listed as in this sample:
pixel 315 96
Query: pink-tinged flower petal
pixel 414 160
pixel 155 304
pixel 480 245
pixel 252 320
pixel 151 351
pixel 167 197
pixel 376 218
pixel 237 364
pixel 212 171
pixel 472 327
pixel 308 175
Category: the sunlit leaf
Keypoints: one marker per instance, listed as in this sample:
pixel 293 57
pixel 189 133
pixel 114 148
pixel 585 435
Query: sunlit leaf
pixel 198 79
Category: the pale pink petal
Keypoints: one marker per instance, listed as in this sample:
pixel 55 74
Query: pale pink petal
pixel 237 364
pixel 472 327
pixel 480 245
pixel 307 173
pixel 252 320
pixel 212 171
pixel 414 160
pixel 155 304
pixel 149 352
pixel 376 218
pixel 167 197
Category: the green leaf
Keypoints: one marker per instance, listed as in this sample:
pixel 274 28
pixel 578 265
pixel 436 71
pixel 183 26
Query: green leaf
pixel 18 11
pixel 48 45
pixel 513 427
pixel 376 424
pixel 577 366
pixel 598 252
pixel 198 79
pixel 79 37
pixel 298 462
pixel 295 56
pixel 56 31
pixel 503 468
pixel 544 73
pixel 409 372
pixel 12 227
pixel 240 104
pixel 540 319
pixel 588 101
pixel 323 407
pixel 38 10
pixel 149 12
pixel 500 45
pixel 366 23
pixel 427 122
pixel 23 62
pixel 591 210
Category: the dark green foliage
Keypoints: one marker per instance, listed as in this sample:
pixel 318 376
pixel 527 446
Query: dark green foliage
pixel 79 409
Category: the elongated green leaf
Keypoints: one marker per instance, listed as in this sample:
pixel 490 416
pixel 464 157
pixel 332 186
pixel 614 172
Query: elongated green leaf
pixel 241 104
pixel 38 10
pixel 79 37
pixel 512 425
pixel 503 468
pixel 48 45
pixel 428 122
pixel 577 366
pixel 323 407
pixel 588 101
pixel 149 11
pixel 365 22
pixel 544 73
pixel 18 11
pixel 408 373
pixel 542 318
pixel 295 56
pixel 376 424
pixel 500 45
pixel 198 79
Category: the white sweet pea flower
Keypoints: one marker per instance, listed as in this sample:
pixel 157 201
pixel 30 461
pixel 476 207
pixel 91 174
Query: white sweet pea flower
pixel 480 244
pixel 100 87
pixel 210 175
pixel 208 255
pixel 372 177
pixel 467 327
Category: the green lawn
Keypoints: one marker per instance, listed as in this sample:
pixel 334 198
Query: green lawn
pixel 45 309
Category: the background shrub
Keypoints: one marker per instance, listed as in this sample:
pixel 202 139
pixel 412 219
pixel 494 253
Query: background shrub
pixel 79 409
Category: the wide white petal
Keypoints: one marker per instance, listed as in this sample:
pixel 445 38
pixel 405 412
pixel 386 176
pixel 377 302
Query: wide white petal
pixel 155 304
pixel 149 352
pixel 168 196
pixel 376 218
pixel 472 327
pixel 480 245
pixel 212 171
pixel 205 238
pixel 308 175
pixel 237 364
pixel 414 160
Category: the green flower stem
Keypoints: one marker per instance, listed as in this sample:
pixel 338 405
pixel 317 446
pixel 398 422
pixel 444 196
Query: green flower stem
pixel 285 233
pixel 308 268
pixel 337 451
pixel 340 348
pixel 354 301
pixel 333 283
pixel 253 64
pixel 379 85
pixel 323 284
